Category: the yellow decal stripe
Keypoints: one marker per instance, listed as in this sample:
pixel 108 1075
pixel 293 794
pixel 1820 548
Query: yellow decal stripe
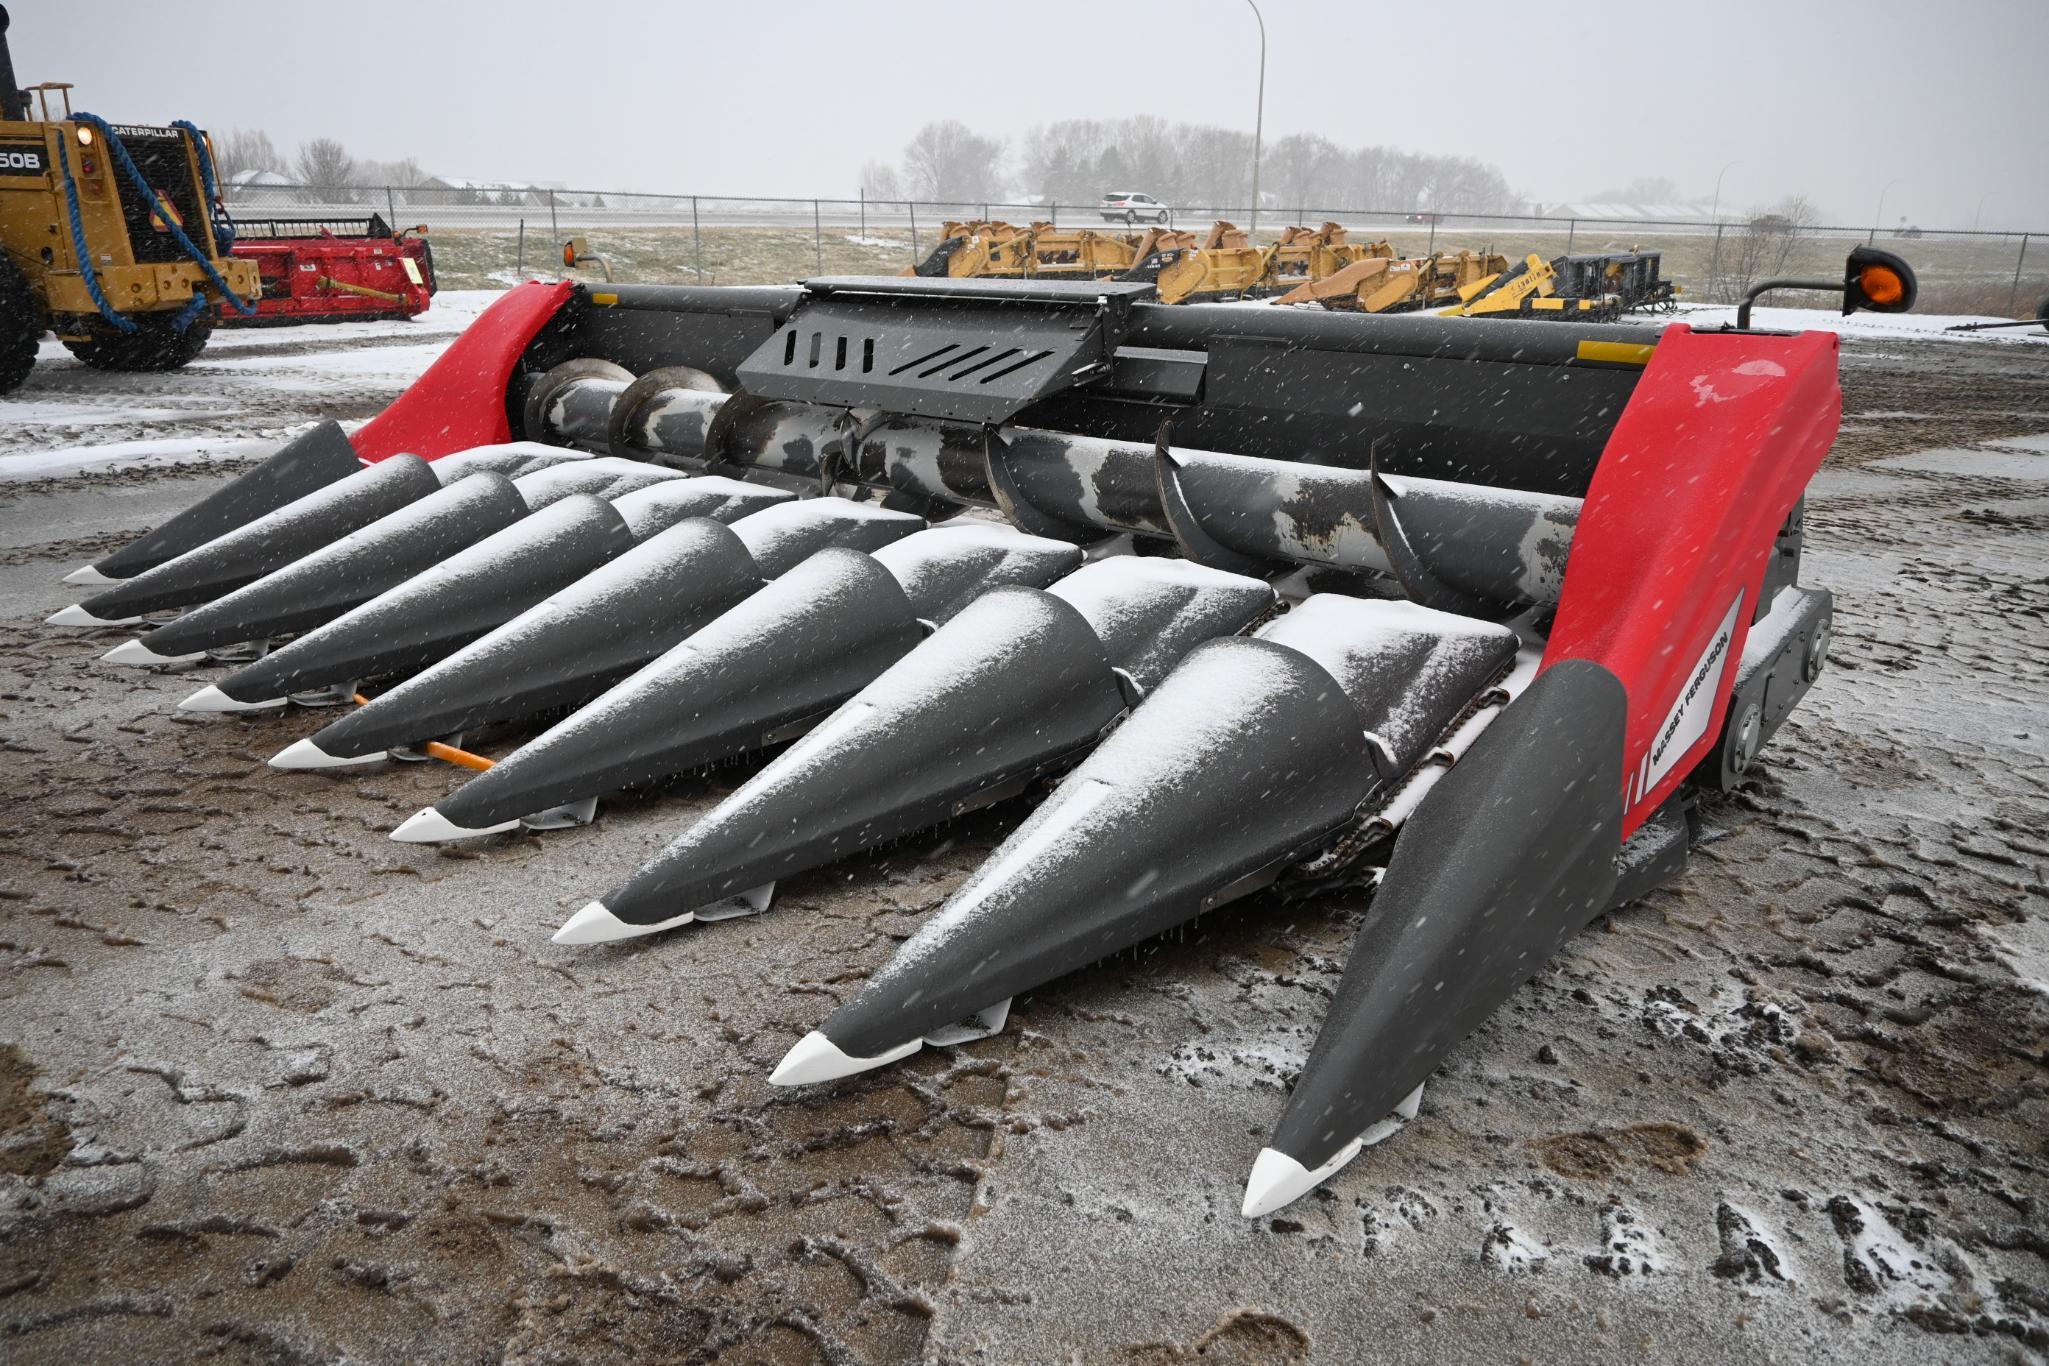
pixel 1617 353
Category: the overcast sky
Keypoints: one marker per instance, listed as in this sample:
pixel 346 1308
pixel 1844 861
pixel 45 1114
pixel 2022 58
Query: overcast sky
pixel 1948 97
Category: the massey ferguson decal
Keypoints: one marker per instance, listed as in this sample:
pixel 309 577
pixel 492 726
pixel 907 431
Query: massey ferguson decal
pixel 1688 720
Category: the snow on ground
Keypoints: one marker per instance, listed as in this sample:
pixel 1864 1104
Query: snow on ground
pixel 1870 326
pixel 249 389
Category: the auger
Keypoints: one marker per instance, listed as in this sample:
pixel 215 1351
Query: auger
pixel 1465 612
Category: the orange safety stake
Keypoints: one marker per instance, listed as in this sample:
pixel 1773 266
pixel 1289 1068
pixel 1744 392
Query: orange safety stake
pixel 447 754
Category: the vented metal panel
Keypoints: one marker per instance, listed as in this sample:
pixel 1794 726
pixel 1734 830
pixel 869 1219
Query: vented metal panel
pixel 942 348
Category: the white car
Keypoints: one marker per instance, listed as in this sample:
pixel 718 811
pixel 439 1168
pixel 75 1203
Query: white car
pixel 1125 207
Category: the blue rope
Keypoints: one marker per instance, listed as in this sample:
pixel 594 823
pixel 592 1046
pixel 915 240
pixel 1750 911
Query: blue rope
pixel 223 225
pixel 144 188
pixel 189 313
pixel 78 245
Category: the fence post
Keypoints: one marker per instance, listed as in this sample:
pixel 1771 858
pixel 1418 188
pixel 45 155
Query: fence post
pixel 391 208
pixel 1053 210
pixel 1715 268
pixel 2015 293
pixel 696 240
pixel 911 206
pixel 864 211
pixel 1432 249
pixel 554 230
pixel 817 239
pixel 1571 231
pixel 519 265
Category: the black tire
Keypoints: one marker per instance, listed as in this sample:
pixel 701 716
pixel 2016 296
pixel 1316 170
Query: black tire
pixel 152 347
pixel 1131 218
pixel 2042 313
pixel 21 327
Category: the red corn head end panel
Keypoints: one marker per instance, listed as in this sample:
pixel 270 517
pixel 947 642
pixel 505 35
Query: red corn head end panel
pixel 1715 448
pixel 460 401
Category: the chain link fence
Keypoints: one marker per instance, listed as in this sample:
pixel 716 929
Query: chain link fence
pixel 486 236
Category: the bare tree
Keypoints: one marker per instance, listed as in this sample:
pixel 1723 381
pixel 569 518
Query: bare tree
pixel 245 149
pixel 1152 160
pixel 1763 246
pixel 403 174
pixel 326 168
pixel 1059 162
pixel 1213 168
pixel 879 181
pixel 1305 170
pixel 1198 168
pixel 1464 185
pixel 949 162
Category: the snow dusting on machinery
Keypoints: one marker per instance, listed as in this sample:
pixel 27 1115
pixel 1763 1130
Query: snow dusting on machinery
pixel 1274 601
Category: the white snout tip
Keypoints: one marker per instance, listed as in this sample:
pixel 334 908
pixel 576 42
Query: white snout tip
pixel 212 699
pixel 304 754
pixel 817 1058
pixel 428 826
pixel 75 615
pixel 595 924
pixel 135 652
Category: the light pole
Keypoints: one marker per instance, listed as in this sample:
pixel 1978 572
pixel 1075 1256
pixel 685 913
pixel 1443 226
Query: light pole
pixel 1258 125
pixel 1879 217
pixel 1715 213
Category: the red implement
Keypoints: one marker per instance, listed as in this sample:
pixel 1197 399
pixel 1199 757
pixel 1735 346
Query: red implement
pixel 334 270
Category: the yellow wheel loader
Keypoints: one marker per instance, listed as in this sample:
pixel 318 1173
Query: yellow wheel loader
pixel 113 233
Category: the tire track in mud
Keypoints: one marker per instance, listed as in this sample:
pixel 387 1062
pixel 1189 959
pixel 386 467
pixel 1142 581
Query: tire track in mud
pixel 331 1096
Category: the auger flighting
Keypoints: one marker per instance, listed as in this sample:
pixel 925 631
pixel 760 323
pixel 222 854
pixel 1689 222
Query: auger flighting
pixel 1466 612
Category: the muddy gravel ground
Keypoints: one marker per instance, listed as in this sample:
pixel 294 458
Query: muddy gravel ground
pixel 273 1088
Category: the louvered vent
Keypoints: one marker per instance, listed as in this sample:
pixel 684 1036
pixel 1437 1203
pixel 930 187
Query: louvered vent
pixel 935 349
